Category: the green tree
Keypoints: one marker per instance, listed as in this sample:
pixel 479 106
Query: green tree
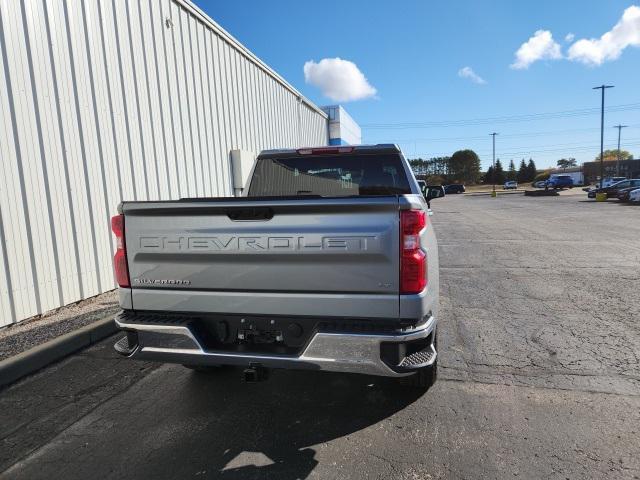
pixel 511 173
pixel 499 173
pixel 487 179
pixel 612 155
pixel 533 171
pixel 544 175
pixel 565 163
pixel 417 165
pixel 435 180
pixel 523 174
pixel 464 166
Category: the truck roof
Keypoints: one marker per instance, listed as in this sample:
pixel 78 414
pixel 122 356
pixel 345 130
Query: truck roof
pixel 291 152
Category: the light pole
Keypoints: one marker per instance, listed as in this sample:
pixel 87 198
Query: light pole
pixel 602 88
pixel 493 169
pixel 619 127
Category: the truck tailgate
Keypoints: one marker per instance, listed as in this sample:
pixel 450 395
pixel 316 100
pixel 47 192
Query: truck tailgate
pixel 303 256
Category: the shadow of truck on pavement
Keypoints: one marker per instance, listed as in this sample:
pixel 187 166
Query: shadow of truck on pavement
pixel 175 423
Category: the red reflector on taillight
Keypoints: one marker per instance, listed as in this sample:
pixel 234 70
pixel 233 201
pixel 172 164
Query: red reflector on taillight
pixel 413 221
pixel 121 269
pixel 120 258
pixel 413 260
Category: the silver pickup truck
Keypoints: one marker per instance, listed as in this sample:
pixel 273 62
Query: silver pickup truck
pixel 328 262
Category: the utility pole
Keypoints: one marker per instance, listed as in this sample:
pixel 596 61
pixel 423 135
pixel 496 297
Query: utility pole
pixel 493 169
pixel 602 88
pixel 619 127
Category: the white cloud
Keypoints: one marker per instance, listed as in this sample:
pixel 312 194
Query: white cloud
pixel 541 46
pixel 467 72
pixel 338 79
pixel 609 46
pixel 569 37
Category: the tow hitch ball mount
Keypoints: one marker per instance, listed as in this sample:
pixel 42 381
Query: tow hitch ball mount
pixel 255 373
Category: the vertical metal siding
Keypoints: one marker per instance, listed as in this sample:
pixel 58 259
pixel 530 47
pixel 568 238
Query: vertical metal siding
pixel 105 100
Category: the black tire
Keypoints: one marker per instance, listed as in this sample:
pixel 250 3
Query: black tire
pixel 208 369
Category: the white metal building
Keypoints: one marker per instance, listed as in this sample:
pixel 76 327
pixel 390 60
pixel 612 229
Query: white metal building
pixel 104 100
pixel 575 173
pixel 343 130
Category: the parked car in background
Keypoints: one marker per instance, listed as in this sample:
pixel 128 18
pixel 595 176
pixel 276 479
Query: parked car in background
pixel 454 188
pixel 634 195
pixel 623 193
pixel 612 191
pixel 539 184
pixel 608 181
pixel 510 185
pixel 559 182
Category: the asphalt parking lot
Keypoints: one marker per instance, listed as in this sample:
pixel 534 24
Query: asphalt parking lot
pixel 539 377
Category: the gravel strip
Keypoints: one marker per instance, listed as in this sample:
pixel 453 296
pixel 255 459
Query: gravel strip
pixel 22 336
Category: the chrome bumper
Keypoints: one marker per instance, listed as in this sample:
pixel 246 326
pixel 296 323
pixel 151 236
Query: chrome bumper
pixel 337 352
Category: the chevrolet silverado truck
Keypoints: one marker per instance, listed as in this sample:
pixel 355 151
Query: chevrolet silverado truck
pixel 329 262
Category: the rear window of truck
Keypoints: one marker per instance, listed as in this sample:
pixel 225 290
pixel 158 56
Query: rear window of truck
pixel 329 176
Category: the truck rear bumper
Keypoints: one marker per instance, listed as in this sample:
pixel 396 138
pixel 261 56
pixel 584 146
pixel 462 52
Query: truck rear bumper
pixel 389 355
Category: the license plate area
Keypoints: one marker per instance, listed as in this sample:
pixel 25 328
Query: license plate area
pixel 254 334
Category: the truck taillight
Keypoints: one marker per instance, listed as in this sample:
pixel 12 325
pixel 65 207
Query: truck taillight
pixel 120 257
pixel 413 261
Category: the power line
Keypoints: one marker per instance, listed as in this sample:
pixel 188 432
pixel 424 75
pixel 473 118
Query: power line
pixel 568 149
pixel 568 145
pixel 507 135
pixel 501 119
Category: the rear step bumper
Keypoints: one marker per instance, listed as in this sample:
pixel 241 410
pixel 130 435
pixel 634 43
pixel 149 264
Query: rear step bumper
pixel 389 355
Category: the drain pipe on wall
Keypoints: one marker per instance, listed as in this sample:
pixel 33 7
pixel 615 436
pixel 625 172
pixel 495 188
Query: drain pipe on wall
pixel 242 162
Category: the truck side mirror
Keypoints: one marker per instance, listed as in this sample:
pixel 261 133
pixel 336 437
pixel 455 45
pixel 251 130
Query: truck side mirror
pixel 433 192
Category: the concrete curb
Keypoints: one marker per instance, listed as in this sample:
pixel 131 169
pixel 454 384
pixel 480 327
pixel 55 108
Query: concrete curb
pixel 25 363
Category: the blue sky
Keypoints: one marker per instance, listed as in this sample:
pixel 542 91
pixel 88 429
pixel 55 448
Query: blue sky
pixel 411 53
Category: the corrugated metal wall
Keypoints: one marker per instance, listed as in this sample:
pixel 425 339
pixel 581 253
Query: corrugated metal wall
pixel 104 100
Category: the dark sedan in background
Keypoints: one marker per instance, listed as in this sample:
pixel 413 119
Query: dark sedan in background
pixel 454 188
pixel 623 193
pixel 613 190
